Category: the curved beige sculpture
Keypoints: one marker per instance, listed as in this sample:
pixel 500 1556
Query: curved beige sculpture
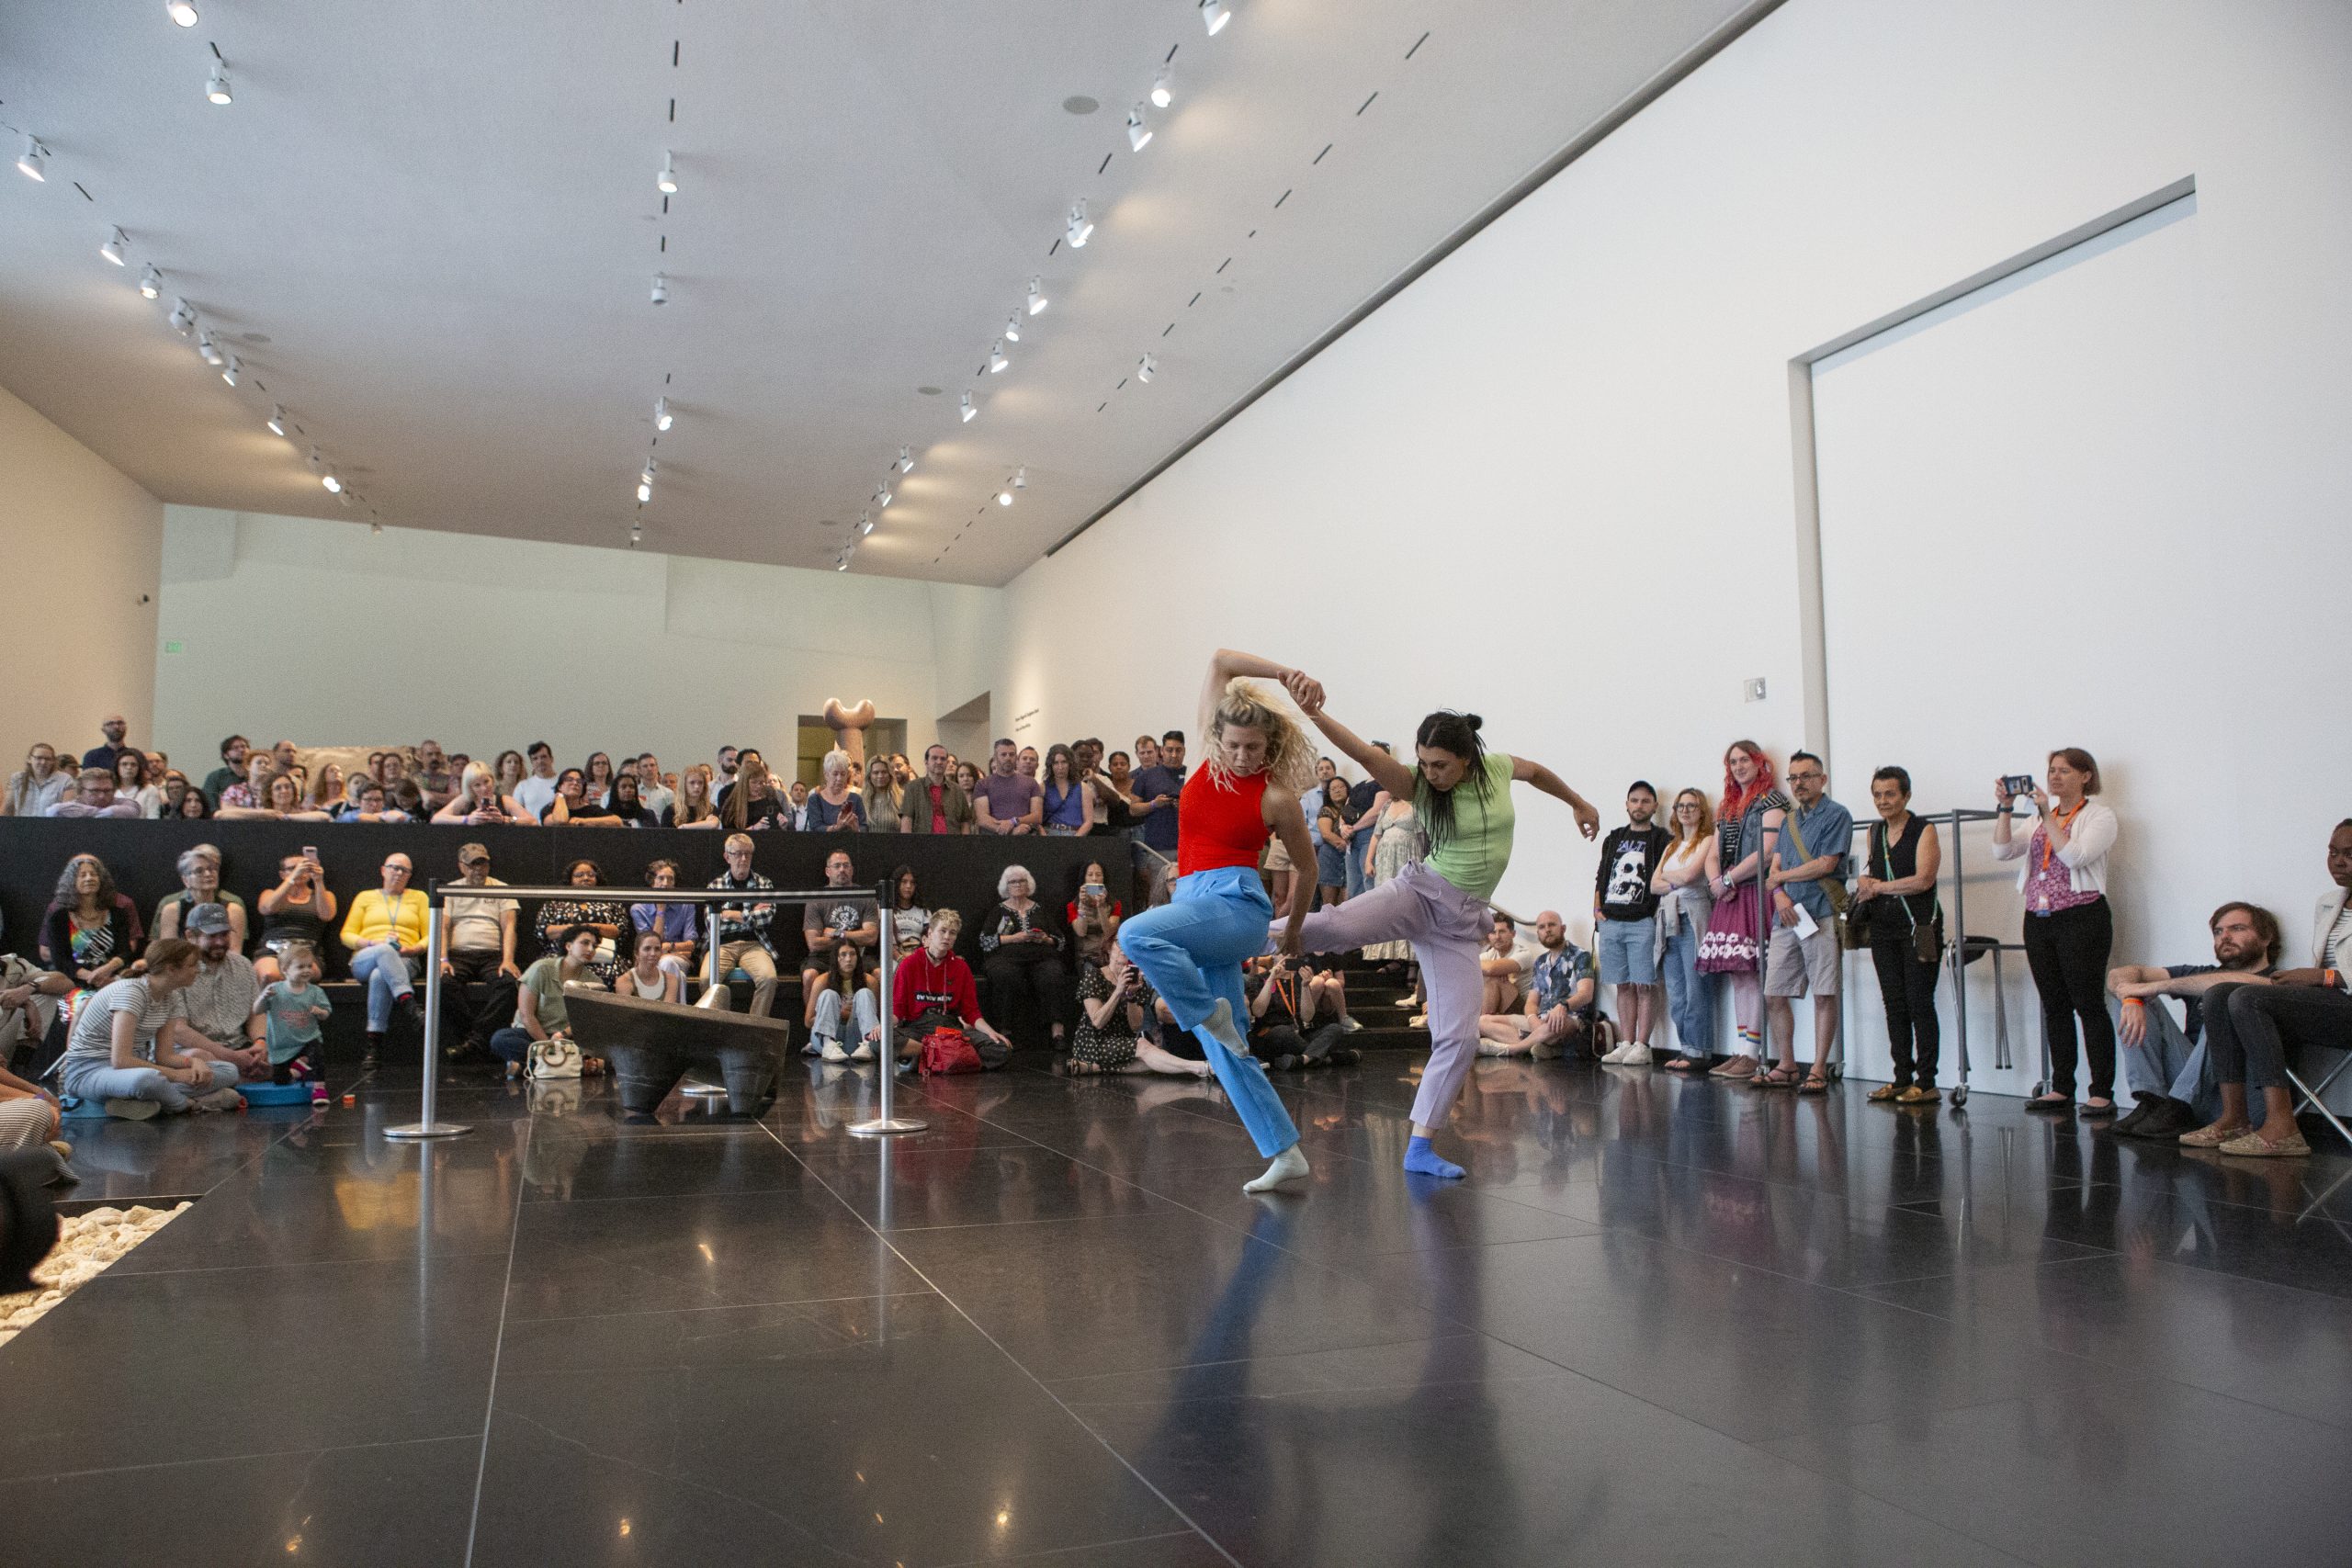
pixel 848 726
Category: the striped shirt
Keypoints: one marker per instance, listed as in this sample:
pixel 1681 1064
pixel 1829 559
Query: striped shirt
pixel 93 1038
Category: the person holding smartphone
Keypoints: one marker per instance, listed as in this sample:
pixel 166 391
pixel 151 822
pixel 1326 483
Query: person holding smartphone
pixel 2069 926
pixel 1094 916
pixel 299 909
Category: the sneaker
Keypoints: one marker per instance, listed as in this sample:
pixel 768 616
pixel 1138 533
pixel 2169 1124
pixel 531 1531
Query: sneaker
pixel 863 1052
pixel 134 1109
pixel 2253 1145
pixel 1349 1025
pixel 1418 1021
pixel 1633 1056
pixel 833 1052
pixel 318 1094
pixel 2166 1120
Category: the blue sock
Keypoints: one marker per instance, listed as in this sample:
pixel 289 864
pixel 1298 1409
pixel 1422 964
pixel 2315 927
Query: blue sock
pixel 1423 1160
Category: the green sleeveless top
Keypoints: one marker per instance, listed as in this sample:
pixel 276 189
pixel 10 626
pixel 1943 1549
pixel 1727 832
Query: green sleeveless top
pixel 1474 857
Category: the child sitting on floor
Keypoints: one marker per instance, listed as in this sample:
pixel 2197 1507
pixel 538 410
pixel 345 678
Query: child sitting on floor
pixel 291 1009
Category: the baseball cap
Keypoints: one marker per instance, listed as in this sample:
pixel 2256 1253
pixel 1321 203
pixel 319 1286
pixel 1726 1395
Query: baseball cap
pixel 207 918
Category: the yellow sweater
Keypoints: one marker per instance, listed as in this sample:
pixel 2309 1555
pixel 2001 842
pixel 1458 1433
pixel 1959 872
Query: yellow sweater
pixel 372 920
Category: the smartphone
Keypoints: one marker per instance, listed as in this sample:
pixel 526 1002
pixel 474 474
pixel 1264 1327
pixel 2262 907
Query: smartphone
pixel 2017 783
pixel 309 851
pixel 1094 890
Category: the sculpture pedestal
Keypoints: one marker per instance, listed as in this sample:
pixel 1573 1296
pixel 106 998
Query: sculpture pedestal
pixel 649 1045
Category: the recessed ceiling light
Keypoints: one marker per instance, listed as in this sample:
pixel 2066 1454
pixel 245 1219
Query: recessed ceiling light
pixel 117 243
pixel 151 282
pixel 1139 133
pixel 277 419
pixel 30 160
pixel 1214 15
pixel 1163 87
pixel 666 182
pixel 181 11
pixel 1081 227
pixel 216 87
pixel 662 417
pixel 1079 103
pixel 1037 295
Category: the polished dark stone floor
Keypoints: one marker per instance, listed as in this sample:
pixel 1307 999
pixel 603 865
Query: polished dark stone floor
pixel 1662 1323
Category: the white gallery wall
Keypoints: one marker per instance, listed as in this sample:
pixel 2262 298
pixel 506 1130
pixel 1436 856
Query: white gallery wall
pixel 329 635
pixel 80 548
pixel 1555 480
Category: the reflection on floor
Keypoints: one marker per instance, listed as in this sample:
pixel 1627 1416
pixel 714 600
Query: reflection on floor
pixel 1662 1322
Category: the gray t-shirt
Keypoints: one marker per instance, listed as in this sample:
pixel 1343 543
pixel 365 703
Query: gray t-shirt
pixel 92 1036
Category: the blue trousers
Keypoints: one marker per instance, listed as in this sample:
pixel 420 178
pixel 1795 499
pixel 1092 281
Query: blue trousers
pixel 866 1018
pixel 385 972
pixel 1689 996
pixel 1359 865
pixel 1191 949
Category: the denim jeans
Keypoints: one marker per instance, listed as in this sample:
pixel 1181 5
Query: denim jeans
pixel 2165 1063
pixel 866 1018
pixel 1689 996
pixel 1359 869
pixel 98 1081
pixel 385 973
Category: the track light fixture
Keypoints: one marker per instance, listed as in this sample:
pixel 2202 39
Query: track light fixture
pixel 277 419
pixel 151 282
pixel 1163 87
pixel 1004 496
pixel 1214 15
pixel 661 288
pixel 375 528
pixel 1081 227
pixel 1013 327
pixel 318 464
pixel 181 11
pixel 1037 295
pixel 208 349
pixel 645 481
pixel 349 498
pixel 117 243
pixel 864 526
pixel 183 317
pixel 662 417
pixel 842 564
pixel 906 460
pixel 996 361
pixel 1021 477
pixel 666 182
pixel 968 410
pixel 31 160
pixel 230 371
pixel 1139 133
pixel 216 87
pixel 334 485
pixel 1147 368
pixel 882 496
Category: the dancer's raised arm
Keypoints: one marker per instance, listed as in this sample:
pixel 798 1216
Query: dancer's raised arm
pixel 1385 769
pixel 1225 664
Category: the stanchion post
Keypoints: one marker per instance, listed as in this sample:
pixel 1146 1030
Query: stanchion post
pixel 426 1126
pixel 885 946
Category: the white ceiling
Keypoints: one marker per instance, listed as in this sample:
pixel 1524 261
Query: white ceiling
pixel 430 230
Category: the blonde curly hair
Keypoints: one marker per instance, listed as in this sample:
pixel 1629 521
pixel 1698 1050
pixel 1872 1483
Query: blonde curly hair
pixel 1289 756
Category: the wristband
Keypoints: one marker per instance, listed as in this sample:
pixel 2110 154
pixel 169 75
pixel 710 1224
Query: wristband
pixel 2334 980
pixel 2134 1002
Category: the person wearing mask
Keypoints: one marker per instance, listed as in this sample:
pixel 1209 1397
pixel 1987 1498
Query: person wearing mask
pixel 1737 927
pixel 231 768
pixel 2069 925
pixel 936 803
pixel 1897 894
pixel 1807 885
pixel 2165 1061
pixel 125 1049
pixel 40 784
pixel 92 933
pixel 1690 867
pixel 384 933
pixel 94 798
pixel 2249 1027
pixel 1624 921
pixel 878 801
pixel 537 792
pixel 834 807
pixel 740 930
pixel 1008 802
pixel 199 871
pixel 299 909
pixel 478 934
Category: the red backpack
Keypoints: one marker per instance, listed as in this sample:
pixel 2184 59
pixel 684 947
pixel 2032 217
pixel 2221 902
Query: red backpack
pixel 944 1050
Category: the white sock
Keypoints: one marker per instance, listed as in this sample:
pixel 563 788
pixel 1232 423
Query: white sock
pixel 1289 1166
pixel 1220 1027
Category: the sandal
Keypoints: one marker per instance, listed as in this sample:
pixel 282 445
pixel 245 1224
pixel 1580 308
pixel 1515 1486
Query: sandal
pixel 1815 1083
pixel 1775 1077
pixel 1687 1064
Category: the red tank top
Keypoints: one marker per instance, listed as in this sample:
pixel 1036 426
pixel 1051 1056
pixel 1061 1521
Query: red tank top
pixel 1220 821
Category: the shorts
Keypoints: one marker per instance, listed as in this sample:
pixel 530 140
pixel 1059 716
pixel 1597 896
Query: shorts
pixel 1277 855
pixel 1628 950
pixel 1796 966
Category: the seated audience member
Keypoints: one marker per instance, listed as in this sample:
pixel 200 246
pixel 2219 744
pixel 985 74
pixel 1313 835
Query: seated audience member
pixel 608 918
pixel 741 931
pixel 1559 1012
pixel 673 924
pixel 435 775
pixel 326 791
pixel 908 915
pixel 406 798
pixel 751 803
pixel 649 976
pixel 124 1050
pixel 30 996
pixel 1507 962
pixel 1067 803
pixel 291 1010
pixel 933 990
pixel 367 804
pixel 92 933
pixel 252 792
pixel 596 779
pixel 130 779
pixel 479 803
pixel 1809 858
pixel 384 933
pixel 833 808
pixel 625 807
pixel 282 802
pixel 199 870
pixel 573 805
pixel 38 785
pixel 221 1000
pixel 300 909
pixel 2165 1061
pixel 477 935
pixel 1624 921
pixel 692 808
pixel 1298 1016
pixel 167 799
pixel 538 1000
pixel 936 803
pixel 653 791
pixel 535 789
pixel 2250 1024
pixel 878 801
pixel 94 798
pixel 194 807
pixel 231 768
pixel 1007 801
pixel 114 726
pixel 1022 952
pixel 827 923
pixel 842 1001
pixel 1094 916
pixel 1114 1004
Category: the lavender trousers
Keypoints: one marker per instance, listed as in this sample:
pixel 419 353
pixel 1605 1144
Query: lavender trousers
pixel 1445 926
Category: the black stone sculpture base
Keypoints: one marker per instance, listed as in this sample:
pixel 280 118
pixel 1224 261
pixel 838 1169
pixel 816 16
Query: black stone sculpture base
pixel 649 1045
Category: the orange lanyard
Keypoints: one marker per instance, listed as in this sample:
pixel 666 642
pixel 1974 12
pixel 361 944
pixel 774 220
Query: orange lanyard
pixel 2064 820
pixel 1289 993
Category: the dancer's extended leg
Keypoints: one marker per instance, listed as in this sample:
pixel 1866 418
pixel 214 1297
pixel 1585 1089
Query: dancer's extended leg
pixel 1191 950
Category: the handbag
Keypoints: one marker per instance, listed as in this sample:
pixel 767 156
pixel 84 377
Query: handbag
pixel 1861 919
pixel 1729 946
pixel 946 1050
pixel 553 1059
pixel 1927 940
pixel 1832 888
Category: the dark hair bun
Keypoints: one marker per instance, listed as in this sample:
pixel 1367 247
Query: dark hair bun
pixel 1474 721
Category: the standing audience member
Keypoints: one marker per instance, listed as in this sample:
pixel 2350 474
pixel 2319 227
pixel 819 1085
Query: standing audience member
pixel 40 784
pixel 1560 1008
pixel 653 790
pixel 199 872
pixel 231 768
pixel 326 791
pixel 479 804
pixel 1022 952
pixel 834 807
pixel 844 992
pixel 1624 921
pixel 2248 1027
pixel 2164 1060
pixel 936 803
pixel 625 807
pixel 878 801
pixel 968 779
pixel 130 779
pixel 435 776
pixel 1398 841
pixel 194 807
pixel 1067 803
pixel 751 804
pixel 596 779
pixel 794 814
pixel 692 808
pixel 1332 825
pixel 94 798
pixel 1897 894
pixel 477 940
pixel 2069 926
pixel 298 909
pixel 250 794
pixel 1686 874
pixel 741 932
pixel 124 1049
pixel 1807 881
pixel 1159 782
pixel 1737 927
pixel 1008 802
pixel 92 933
pixel 384 933
pixel 114 726
pixel 536 792
pixel 573 807
pixel 292 1010
pixel 167 807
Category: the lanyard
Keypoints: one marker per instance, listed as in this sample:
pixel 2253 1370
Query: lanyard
pixel 2064 820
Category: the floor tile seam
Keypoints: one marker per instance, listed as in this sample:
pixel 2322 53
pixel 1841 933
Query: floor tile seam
pixel 731 1306
pixel 497 1350
pixel 1061 1551
pixel 1238 1360
pixel 234 1459
pixel 1018 1365
pixel 1557 1375
pixel 637 1197
pixel 409 1257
